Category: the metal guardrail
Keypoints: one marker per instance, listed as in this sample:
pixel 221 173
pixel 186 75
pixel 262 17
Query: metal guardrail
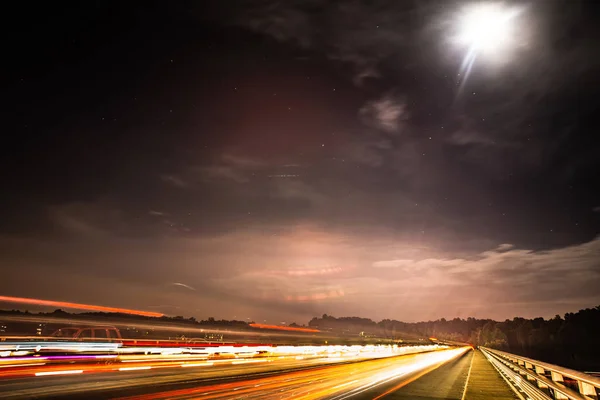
pixel 538 380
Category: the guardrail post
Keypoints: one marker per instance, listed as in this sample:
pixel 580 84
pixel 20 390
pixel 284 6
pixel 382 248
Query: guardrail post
pixel 560 396
pixel 540 370
pixel 587 390
pixel 556 377
pixel 528 365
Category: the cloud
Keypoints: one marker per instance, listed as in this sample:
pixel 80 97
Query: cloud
pixel 363 152
pixel 514 102
pixel 352 32
pixel 540 281
pixel 224 172
pixel 237 181
pixel 174 180
pixel 393 264
pixel 505 247
pixel 463 137
pixel 365 73
pixel 284 21
pixel 88 219
pixel 233 167
pixel 387 113
pixel 368 271
pixel 182 285
pixel 224 168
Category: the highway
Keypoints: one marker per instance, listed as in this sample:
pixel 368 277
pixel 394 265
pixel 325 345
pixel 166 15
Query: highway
pixel 293 377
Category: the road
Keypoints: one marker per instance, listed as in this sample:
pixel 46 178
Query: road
pixel 447 382
pixel 285 379
pixel 144 376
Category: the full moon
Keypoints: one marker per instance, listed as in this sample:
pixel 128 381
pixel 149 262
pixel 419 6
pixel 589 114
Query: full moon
pixel 487 27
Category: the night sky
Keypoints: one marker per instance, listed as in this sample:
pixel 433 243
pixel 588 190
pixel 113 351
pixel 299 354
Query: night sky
pixel 277 160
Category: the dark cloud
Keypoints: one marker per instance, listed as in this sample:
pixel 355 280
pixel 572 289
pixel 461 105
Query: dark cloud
pixel 508 104
pixel 174 180
pixel 350 32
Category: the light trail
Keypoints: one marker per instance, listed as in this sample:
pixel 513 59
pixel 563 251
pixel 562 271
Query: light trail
pixel 134 368
pixel 206 364
pixel 66 372
pixel 78 306
pixel 218 356
pixel 284 328
pixel 273 377
pixel 337 382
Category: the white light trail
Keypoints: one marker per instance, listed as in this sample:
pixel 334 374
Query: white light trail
pixel 133 368
pixel 67 372
pixel 206 364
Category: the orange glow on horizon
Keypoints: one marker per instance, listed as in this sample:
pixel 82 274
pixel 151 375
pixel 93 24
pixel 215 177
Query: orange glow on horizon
pixel 78 306
pixel 284 328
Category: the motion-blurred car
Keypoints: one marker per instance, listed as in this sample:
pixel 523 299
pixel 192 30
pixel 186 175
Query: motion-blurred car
pixel 95 333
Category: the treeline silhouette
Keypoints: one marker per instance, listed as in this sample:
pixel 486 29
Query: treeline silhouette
pixel 131 317
pixel 572 341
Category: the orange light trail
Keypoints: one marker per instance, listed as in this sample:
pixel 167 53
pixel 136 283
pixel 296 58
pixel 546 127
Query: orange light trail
pixel 284 328
pixel 78 306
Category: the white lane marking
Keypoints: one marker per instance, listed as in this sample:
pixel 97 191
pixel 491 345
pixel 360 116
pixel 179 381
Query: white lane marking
pixel 67 372
pixel 468 376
